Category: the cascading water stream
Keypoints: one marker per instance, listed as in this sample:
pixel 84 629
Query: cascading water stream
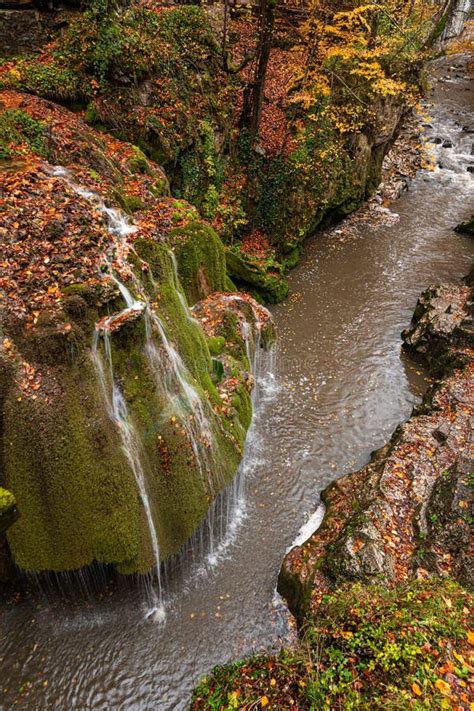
pixel 212 540
pixel 188 403
pixel 182 396
pixel 119 227
pixel 262 368
pixel 118 413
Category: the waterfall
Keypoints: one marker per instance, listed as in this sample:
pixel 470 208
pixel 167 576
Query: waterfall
pixel 174 382
pixel 118 413
pixel 262 363
pixel 216 534
pixel 181 394
pixel 173 378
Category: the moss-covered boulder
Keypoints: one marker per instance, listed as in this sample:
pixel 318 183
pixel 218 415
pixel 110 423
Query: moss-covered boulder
pixel 201 260
pixel 263 277
pixel 74 349
pixel 63 455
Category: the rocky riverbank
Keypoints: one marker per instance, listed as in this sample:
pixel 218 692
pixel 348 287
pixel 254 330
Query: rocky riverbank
pixel 407 513
pixel 395 536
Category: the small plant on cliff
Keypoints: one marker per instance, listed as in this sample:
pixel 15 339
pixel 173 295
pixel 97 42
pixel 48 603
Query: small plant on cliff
pixel 368 648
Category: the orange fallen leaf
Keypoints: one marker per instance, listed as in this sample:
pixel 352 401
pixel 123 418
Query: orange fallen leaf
pixel 416 689
pixel 264 701
pixel 447 667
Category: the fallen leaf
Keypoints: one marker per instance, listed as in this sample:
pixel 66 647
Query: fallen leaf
pixel 442 686
pixel 416 689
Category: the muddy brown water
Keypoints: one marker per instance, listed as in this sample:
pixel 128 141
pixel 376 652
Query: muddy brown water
pixel 341 388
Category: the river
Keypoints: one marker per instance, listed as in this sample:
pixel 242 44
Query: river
pixel 341 386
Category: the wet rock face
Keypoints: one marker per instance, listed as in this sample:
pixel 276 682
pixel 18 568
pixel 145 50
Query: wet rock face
pixel 445 520
pixel 466 228
pixel 442 324
pixel 24 30
pixel 389 537
pixel 407 513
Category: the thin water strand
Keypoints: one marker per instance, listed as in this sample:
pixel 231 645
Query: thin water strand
pixel 118 413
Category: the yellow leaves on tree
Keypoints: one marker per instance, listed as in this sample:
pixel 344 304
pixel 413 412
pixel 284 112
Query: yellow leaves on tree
pixel 356 54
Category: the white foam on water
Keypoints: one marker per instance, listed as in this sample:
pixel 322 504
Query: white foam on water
pixel 309 528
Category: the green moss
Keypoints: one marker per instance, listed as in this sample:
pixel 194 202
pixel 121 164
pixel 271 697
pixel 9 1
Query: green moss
pixel 8 511
pixel 17 127
pixel 216 345
pixel 75 493
pixel 7 500
pixel 138 163
pixel 179 491
pixel 218 369
pixel 242 402
pixel 235 344
pixel 129 203
pixel 51 79
pixel 160 188
pixel 265 277
pixel 201 260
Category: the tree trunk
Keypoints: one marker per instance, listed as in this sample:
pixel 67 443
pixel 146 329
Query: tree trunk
pixel 253 94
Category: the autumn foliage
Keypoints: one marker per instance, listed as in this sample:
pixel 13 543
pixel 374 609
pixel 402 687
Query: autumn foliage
pixel 369 647
pixel 356 53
